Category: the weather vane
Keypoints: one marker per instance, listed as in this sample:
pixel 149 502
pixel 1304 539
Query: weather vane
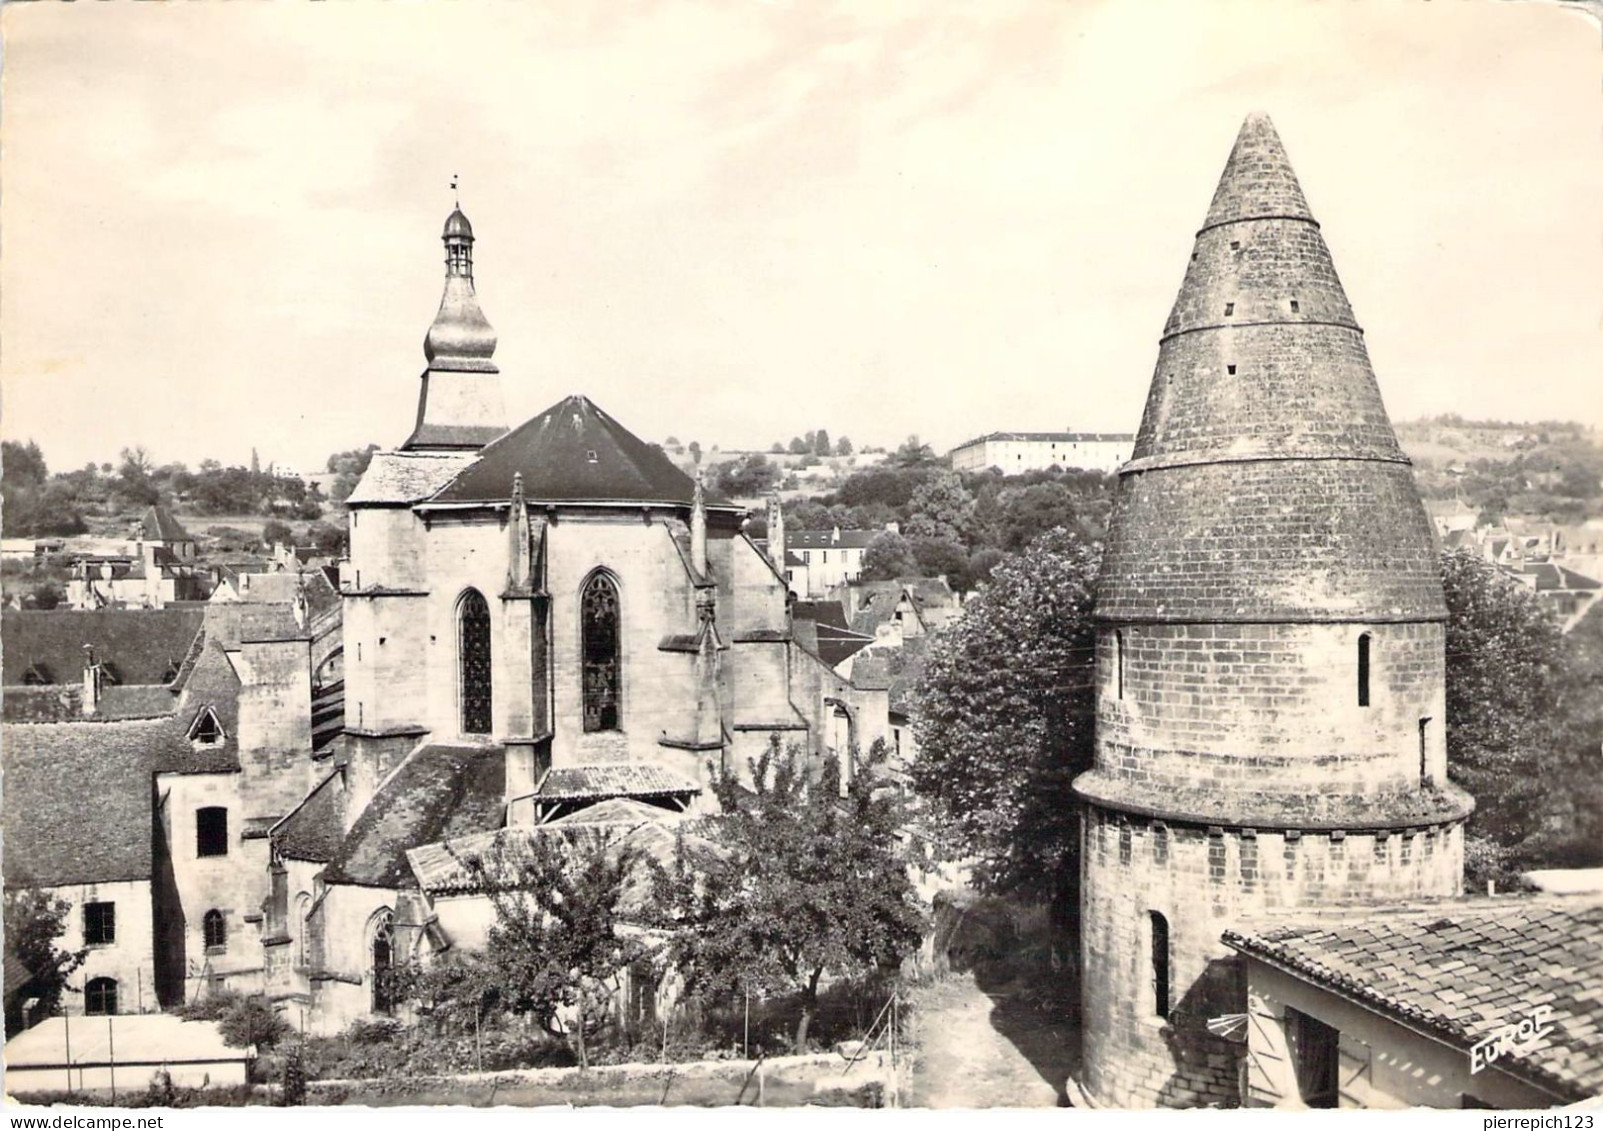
pixel 455 196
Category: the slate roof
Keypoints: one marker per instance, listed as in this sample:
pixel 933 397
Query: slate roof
pixel 141 644
pixel 826 540
pixel 52 837
pixel 437 792
pixel 159 525
pixel 1051 438
pixel 63 703
pixel 1550 577
pixel 399 478
pixel 211 685
pixel 613 779
pixel 573 452
pixel 1463 971
pixel 831 613
pixel 315 828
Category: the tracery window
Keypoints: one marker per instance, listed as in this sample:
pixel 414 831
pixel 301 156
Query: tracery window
pixel 473 646
pixel 215 928
pixel 598 617
pixel 383 955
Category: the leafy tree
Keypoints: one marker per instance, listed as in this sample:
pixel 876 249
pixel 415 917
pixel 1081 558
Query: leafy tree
pixel 803 880
pixel 672 442
pixel 914 453
pixel 23 464
pixel 347 467
pixel 941 508
pixel 776 448
pixel 556 941
pixel 887 557
pixel 275 531
pixel 695 452
pixel 134 483
pixel 1504 659
pixel 35 921
pixel 327 538
pixel 751 474
pixel 252 1021
pixel 937 557
pixel 821 443
pixel 799 447
pixel 843 446
pixel 1006 712
pixel 887 486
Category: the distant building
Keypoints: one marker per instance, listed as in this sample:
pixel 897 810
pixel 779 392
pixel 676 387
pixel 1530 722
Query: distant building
pixel 817 561
pixel 1487 1003
pixel 1016 452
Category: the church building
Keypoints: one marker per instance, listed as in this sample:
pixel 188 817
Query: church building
pixel 537 621
pixel 1270 653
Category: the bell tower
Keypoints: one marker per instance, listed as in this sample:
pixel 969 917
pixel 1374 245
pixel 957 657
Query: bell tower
pixel 460 406
pixel 1270 651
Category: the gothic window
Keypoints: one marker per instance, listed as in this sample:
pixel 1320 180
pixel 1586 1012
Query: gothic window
pixel 598 619
pixel 1160 964
pixel 215 929
pixel 303 908
pixel 1363 670
pixel 211 831
pixel 473 645
pixel 382 950
pixel 100 996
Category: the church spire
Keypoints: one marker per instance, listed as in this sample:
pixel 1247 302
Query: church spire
pixel 461 406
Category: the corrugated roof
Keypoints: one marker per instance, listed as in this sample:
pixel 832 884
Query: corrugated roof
pixel 438 792
pixel 612 779
pixel 141 645
pixel 1464 972
pixel 573 452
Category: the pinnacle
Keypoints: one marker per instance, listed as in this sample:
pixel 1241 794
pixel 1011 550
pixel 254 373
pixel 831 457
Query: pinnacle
pixel 1258 180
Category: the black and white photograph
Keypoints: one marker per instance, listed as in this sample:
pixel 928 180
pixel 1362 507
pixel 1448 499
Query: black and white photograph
pixel 801 555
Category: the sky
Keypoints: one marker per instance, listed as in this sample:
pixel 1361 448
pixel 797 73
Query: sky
pixel 735 221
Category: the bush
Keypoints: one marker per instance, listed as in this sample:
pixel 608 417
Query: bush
pixel 210 1007
pixel 379 1031
pixel 252 1021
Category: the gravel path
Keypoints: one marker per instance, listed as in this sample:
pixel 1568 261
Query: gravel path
pixel 963 1060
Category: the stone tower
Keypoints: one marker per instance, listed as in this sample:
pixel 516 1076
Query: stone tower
pixel 459 407
pixel 1270 657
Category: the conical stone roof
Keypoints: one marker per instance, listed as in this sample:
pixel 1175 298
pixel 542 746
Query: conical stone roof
pixel 1266 482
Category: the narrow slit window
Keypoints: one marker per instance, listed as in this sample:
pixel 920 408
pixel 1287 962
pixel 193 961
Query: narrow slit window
pixel 1235 245
pixel 1230 369
pixel 1160 964
pixel 1424 749
pixel 1363 670
pixel 1294 307
pixel 1230 309
pixel 1118 664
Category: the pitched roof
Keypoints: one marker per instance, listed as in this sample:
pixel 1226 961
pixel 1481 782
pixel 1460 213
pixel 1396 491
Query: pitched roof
pixel 437 792
pixel 63 703
pixel 612 779
pixel 315 828
pixel 831 613
pixel 159 525
pixel 1266 482
pixel 827 539
pixel 212 685
pixel 1051 438
pixel 397 478
pixel 572 452
pixel 143 644
pixel 51 773
pixel 1551 577
pixel 1463 972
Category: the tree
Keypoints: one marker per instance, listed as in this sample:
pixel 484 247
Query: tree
pixel 347 467
pixel 887 557
pixel 802 879
pixel 134 483
pixel 821 443
pixel 252 1021
pixel 556 941
pixel 327 538
pixel 34 921
pixel 799 447
pixel 843 446
pixel 941 557
pixel 274 531
pixel 695 452
pixel 941 508
pixel 1504 666
pixel 751 474
pixel 23 464
pixel 1006 712
pixel 776 448
pixel 913 453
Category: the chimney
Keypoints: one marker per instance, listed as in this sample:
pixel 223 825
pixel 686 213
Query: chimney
pixel 698 529
pixel 93 680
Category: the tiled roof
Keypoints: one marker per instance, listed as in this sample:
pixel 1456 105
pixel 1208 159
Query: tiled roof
pixel 405 477
pixel 1464 971
pixel 142 645
pixel 314 829
pixel 573 452
pixel 830 613
pixel 437 793
pixel 63 703
pixel 212 685
pixel 77 800
pixel 159 525
pixel 1051 438
pixel 1549 577
pixel 613 779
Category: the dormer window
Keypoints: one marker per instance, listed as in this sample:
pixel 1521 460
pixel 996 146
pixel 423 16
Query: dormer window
pixel 590 457
pixel 206 730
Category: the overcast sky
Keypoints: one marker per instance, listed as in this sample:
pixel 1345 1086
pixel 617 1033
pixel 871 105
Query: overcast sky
pixel 736 221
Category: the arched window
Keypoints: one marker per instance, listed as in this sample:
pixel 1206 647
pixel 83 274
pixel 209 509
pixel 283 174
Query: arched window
pixel 215 928
pixel 382 950
pixel 100 996
pixel 211 831
pixel 1363 670
pixel 473 649
pixel 598 618
pixel 303 908
pixel 1160 964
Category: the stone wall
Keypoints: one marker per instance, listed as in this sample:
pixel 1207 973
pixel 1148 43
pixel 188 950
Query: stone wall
pixel 129 959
